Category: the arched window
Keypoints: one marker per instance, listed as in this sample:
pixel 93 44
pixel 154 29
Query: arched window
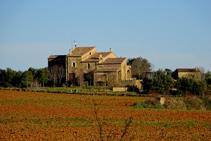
pixel 73 65
pixel 90 53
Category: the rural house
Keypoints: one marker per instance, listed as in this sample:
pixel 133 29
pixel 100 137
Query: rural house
pixel 85 65
pixel 187 72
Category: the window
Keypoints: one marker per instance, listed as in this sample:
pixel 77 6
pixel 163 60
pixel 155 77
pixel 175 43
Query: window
pixel 88 66
pixel 90 53
pixel 73 65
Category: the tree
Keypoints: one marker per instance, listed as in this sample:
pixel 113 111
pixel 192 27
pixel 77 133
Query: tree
pixel 17 79
pixel 42 75
pixel 191 86
pixel 139 67
pixel 53 74
pixel 27 78
pixel 159 82
pixel 208 78
pixel 60 73
pixel 168 71
pixel 33 72
pixel 56 74
pixel 202 70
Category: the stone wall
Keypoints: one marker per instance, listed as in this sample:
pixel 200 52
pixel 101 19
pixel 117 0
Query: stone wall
pixel 195 75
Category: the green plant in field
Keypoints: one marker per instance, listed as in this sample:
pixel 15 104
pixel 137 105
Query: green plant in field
pixel 150 103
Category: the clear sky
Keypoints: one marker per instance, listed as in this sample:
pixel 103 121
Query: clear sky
pixel 168 33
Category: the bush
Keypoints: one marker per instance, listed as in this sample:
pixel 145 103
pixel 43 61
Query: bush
pixel 189 86
pixel 153 103
pixel 175 104
pixel 194 103
pixel 207 102
pixel 187 103
pixel 159 82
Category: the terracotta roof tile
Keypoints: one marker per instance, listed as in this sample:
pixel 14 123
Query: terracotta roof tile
pixel 113 61
pixel 79 51
pixel 95 57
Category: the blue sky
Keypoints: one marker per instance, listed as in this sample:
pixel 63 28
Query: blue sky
pixel 169 34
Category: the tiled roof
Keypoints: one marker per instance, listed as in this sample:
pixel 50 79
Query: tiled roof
pixel 95 57
pixel 56 56
pixel 79 51
pixel 188 70
pixel 113 61
pixel 107 69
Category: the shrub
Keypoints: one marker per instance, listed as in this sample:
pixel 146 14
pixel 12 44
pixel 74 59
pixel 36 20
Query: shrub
pixel 175 104
pixel 159 82
pixel 153 103
pixel 189 86
pixel 194 103
pixel 207 102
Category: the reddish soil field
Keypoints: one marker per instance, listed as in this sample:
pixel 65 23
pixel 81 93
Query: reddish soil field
pixel 46 116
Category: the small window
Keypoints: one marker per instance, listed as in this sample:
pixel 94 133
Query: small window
pixel 88 65
pixel 90 53
pixel 73 65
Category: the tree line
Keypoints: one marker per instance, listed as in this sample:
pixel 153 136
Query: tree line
pixel 161 81
pixel 22 79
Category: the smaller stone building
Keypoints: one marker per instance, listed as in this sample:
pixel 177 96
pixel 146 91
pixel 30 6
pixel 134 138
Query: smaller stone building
pixel 187 72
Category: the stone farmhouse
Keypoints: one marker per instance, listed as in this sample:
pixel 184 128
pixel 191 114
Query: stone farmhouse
pixel 187 72
pixel 85 65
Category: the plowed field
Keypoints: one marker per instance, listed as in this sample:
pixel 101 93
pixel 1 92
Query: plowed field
pixel 46 116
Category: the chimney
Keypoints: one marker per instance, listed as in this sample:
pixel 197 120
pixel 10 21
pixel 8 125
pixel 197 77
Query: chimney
pixel 110 49
pixel 70 51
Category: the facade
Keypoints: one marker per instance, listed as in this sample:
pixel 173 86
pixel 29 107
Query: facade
pixel 187 72
pixel 84 64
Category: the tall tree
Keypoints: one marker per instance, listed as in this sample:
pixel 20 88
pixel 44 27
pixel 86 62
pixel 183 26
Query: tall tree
pixel 61 73
pixel 139 67
pixel 42 75
pixel 27 78
pixel 53 74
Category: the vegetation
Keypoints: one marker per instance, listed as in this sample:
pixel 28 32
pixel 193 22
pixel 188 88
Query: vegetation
pixel 11 78
pixel 189 86
pixel 186 103
pixel 160 82
pixel 140 66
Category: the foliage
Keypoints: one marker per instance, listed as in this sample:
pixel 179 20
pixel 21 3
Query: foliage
pixel 159 82
pixel 149 103
pixel 12 78
pixel 139 67
pixel 194 103
pixel 187 86
pixel 27 78
pixel 175 104
pixel 207 102
pixel 42 75
pixel 208 78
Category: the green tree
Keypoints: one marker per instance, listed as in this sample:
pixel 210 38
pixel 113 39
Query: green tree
pixel 168 71
pixel 27 78
pixel 159 82
pixel 2 77
pixel 16 81
pixel 189 86
pixel 33 72
pixel 42 75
